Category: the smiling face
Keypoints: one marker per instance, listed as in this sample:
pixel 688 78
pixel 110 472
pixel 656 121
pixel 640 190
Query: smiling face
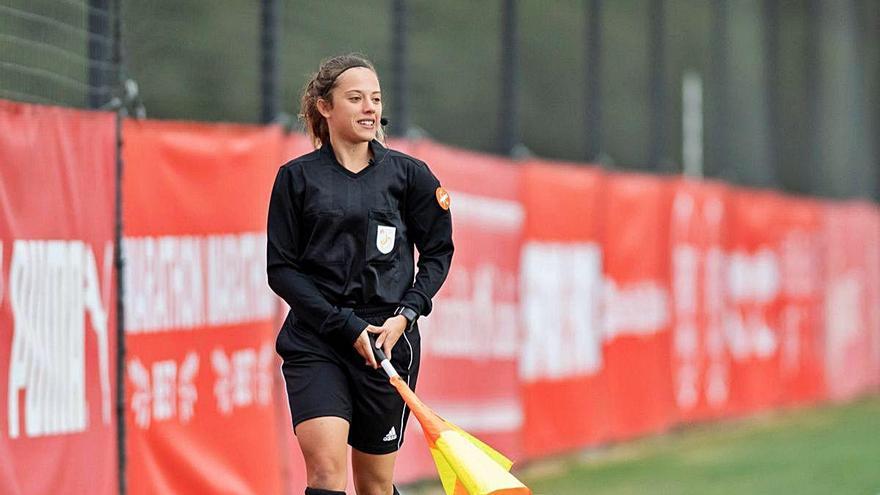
pixel 355 106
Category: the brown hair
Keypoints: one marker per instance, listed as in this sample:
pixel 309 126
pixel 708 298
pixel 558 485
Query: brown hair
pixel 320 87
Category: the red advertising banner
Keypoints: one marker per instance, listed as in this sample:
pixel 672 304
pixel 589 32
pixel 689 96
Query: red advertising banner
pixel 636 302
pixel 754 299
pixel 200 319
pixel 799 316
pixel 295 145
pixel 852 299
pixel 57 301
pixel 562 368
pixel 774 288
pixel 700 363
pixel 746 300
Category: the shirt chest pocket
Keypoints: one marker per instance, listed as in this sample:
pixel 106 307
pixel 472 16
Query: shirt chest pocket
pixel 384 236
pixel 323 242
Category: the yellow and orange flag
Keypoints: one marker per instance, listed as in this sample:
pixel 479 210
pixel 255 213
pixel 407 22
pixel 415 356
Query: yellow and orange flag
pixel 466 465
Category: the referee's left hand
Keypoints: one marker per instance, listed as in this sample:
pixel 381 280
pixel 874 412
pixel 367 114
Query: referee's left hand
pixel 389 333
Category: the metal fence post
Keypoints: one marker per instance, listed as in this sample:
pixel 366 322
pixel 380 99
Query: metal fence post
pixel 719 160
pixel 593 74
pixel 98 37
pixel 269 33
pixel 400 125
pixel 509 102
pixel 119 255
pixel 771 89
pixel 813 78
pixel 656 68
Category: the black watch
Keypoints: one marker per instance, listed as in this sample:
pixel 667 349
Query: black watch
pixel 408 313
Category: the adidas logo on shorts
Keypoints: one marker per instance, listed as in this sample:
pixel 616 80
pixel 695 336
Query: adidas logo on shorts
pixel 391 435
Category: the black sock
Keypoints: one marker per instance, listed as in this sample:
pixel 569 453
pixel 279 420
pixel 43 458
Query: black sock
pixel 321 491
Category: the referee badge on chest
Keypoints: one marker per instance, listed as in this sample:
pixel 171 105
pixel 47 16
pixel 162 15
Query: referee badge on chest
pixel 385 239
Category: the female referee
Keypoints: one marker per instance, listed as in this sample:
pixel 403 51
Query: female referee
pixel 343 221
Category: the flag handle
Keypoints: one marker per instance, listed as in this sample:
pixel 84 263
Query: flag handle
pixel 382 358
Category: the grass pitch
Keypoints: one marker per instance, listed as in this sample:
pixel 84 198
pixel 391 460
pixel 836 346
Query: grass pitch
pixel 820 450
pixel 828 449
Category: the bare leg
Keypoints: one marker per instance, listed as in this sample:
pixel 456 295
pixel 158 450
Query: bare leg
pixel 372 473
pixel 323 442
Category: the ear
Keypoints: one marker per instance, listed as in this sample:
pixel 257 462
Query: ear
pixel 323 107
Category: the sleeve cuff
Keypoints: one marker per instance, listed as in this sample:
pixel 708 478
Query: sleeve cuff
pixel 417 301
pixel 353 327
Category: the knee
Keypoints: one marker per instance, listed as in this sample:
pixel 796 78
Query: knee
pixel 373 486
pixel 327 473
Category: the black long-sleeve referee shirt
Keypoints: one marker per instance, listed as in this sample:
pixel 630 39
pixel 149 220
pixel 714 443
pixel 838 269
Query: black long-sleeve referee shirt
pixel 339 240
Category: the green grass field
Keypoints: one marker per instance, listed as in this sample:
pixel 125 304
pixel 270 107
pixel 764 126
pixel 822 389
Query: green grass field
pixel 821 450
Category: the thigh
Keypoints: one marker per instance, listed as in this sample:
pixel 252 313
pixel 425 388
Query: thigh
pixel 317 382
pixel 379 414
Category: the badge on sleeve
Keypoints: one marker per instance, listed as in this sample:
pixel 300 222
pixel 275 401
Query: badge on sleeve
pixel 443 198
pixel 385 239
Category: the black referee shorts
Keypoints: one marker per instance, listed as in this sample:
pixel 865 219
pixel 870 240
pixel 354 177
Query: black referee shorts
pixel 325 377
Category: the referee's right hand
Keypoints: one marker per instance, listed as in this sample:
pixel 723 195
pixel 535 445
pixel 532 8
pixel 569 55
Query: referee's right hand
pixel 363 347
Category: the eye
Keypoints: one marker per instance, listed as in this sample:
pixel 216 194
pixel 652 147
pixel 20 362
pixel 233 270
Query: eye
pixel 377 100
pixel 354 99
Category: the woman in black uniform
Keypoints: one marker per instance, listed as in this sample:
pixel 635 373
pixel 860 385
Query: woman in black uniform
pixel 343 223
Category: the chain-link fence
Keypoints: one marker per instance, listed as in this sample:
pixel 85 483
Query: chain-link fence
pixel 779 94
pixel 57 52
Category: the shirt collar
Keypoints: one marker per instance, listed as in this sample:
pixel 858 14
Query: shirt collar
pixel 376 149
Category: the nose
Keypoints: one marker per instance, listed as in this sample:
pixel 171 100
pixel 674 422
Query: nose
pixel 369 106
